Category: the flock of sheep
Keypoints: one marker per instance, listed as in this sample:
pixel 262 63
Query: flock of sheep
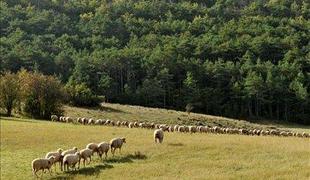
pixel 180 128
pixel 69 158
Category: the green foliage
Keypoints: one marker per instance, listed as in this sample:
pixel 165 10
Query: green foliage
pixel 80 94
pixel 9 91
pixel 41 95
pixel 242 59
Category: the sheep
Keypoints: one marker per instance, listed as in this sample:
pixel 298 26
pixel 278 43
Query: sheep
pixel 57 157
pixel 71 160
pixel 103 147
pixel 117 143
pixel 158 135
pixel 93 146
pixel 91 121
pixel 131 125
pixel 176 128
pixel 79 120
pixel 171 129
pixel 181 129
pixel 54 117
pixel 69 151
pixel 304 134
pixel 135 124
pixel 98 122
pixel 84 121
pixel 186 129
pixel 42 164
pixel 85 154
pixel 192 129
pixel 118 123
pixel 69 120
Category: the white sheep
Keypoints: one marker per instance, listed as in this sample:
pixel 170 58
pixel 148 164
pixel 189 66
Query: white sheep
pixel 93 146
pixel 69 120
pixel 91 121
pixel 54 117
pixel 71 160
pixel 42 164
pixel 57 157
pixel 85 154
pixel 69 151
pixel 117 143
pixel 158 135
pixel 192 129
pixel 131 125
pixel 103 147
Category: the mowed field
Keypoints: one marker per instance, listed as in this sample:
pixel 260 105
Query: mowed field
pixel 181 156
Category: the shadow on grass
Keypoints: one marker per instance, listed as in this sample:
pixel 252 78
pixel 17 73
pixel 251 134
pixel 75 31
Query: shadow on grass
pixel 107 164
pixel 109 109
pixel 19 120
pixel 175 144
pixel 128 158
pixel 88 171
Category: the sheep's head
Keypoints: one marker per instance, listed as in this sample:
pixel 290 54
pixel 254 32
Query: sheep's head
pixel 75 148
pixel 59 150
pixel 77 154
pixel 124 140
pixel 51 160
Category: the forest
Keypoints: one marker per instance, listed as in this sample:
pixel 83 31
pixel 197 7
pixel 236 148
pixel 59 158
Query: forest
pixel 247 59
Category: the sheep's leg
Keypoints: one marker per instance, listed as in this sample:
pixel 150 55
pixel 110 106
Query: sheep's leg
pixel 84 162
pixel 120 150
pixel 49 170
pixel 35 173
pixel 106 155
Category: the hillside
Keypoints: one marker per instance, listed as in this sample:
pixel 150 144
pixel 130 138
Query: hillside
pixel 233 58
pixel 181 156
pixel 164 116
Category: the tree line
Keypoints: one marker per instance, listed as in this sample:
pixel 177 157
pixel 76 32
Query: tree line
pixel 235 58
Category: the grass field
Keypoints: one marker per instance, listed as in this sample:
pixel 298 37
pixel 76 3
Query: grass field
pixel 181 156
pixel 144 114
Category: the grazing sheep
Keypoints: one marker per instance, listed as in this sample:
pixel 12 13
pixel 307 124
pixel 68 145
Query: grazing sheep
pixel 57 157
pixel 158 135
pixel 181 129
pixel 98 122
pixel 85 154
pixel 93 147
pixel 71 160
pixel 42 164
pixel 91 121
pixel 186 129
pixel 171 129
pixel 84 121
pixel 131 125
pixel 117 143
pixel 103 147
pixel 79 120
pixel 68 119
pixel 69 151
pixel 304 134
pixel 192 129
pixel 118 123
pixel 176 128
pixel 54 118
pixel 135 124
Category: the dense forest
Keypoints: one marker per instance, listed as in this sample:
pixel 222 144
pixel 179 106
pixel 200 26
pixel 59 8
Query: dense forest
pixel 237 58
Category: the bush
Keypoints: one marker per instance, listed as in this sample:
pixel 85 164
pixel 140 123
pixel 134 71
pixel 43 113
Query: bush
pixel 9 91
pixel 80 95
pixel 41 95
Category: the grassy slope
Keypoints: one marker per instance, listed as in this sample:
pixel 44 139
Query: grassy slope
pixel 181 156
pixel 138 113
